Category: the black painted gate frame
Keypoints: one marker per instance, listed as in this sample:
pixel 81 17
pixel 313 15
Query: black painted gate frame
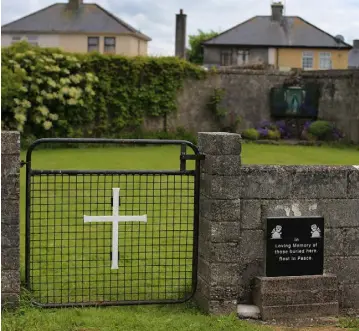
pixel 47 261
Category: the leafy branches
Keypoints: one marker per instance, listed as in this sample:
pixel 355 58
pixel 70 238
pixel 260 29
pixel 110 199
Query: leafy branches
pixel 195 53
pixel 215 103
pixel 47 92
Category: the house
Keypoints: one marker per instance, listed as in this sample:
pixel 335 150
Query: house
pixel 354 56
pixel 77 27
pixel 284 42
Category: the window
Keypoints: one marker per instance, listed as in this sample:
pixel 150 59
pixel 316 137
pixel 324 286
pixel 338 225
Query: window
pixel 15 39
pixel 325 60
pixel 226 58
pixel 307 60
pixel 110 45
pixel 93 44
pixel 242 57
pixel 33 40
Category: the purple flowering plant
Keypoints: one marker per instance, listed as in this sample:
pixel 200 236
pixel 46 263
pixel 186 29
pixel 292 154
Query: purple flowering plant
pixel 265 126
pixel 307 125
pixel 266 129
pixel 263 132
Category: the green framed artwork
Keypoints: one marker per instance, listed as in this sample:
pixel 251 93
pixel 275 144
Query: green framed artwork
pixel 294 101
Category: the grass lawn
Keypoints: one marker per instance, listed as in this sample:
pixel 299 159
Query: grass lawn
pixel 71 260
pixel 299 155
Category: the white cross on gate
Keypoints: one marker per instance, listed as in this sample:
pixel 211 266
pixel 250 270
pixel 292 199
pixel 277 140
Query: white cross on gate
pixel 115 219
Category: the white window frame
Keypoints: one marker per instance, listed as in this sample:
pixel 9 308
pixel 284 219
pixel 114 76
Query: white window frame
pixel 109 45
pixel 33 40
pixel 307 57
pixel 15 39
pixel 325 60
pixel 242 56
pixel 91 45
pixel 226 58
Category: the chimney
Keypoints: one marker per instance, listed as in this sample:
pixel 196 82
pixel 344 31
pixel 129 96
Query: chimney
pixel 356 43
pixel 74 4
pixel 180 43
pixel 277 11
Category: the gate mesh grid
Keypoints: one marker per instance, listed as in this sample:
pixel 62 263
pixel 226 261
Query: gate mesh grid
pixel 70 261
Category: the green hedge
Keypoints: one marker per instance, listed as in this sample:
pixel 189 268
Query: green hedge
pixel 50 93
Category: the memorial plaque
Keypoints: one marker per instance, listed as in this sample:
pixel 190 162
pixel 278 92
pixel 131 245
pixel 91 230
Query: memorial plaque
pixel 294 246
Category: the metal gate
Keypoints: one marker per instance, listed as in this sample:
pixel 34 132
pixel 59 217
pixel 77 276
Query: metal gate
pixel 111 237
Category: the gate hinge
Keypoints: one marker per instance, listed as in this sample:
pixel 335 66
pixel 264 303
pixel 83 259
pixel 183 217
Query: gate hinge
pixel 22 163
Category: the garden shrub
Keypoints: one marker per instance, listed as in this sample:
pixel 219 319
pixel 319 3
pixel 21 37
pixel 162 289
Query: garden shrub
pixel 321 130
pixel 54 92
pixel 312 131
pixel 60 94
pixel 251 134
pixel 11 84
pixel 274 134
pixel 274 131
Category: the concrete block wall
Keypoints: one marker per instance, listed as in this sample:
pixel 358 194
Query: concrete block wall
pixel 235 202
pixel 10 219
pixel 219 240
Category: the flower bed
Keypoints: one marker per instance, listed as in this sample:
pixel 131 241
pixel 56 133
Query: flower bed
pixel 304 130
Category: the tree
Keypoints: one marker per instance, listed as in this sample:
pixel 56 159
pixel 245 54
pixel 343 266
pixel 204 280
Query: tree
pixel 195 54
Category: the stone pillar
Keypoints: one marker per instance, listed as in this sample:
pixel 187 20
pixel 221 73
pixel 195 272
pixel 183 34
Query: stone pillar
pixel 218 269
pixel 10 219
pixel 180 46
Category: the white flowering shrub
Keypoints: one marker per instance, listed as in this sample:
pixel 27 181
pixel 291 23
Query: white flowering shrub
pixel 52 89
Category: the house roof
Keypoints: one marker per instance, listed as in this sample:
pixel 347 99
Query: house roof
pixel 57 18
pixel 354 58
pixel 290 31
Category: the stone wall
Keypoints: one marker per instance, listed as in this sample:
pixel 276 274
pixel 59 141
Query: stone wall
pixel 247 96
pixel 235 202
pixel 10 219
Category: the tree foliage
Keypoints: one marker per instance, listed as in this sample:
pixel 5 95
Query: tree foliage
pixel 195 54
pixel 50 93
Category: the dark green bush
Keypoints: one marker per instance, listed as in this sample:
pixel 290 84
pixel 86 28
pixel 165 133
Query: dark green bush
pixel 251 134
pixel 321 130
pixel 11 84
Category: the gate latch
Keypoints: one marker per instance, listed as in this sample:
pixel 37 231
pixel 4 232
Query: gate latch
pixel 192 157
pixel 184 157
